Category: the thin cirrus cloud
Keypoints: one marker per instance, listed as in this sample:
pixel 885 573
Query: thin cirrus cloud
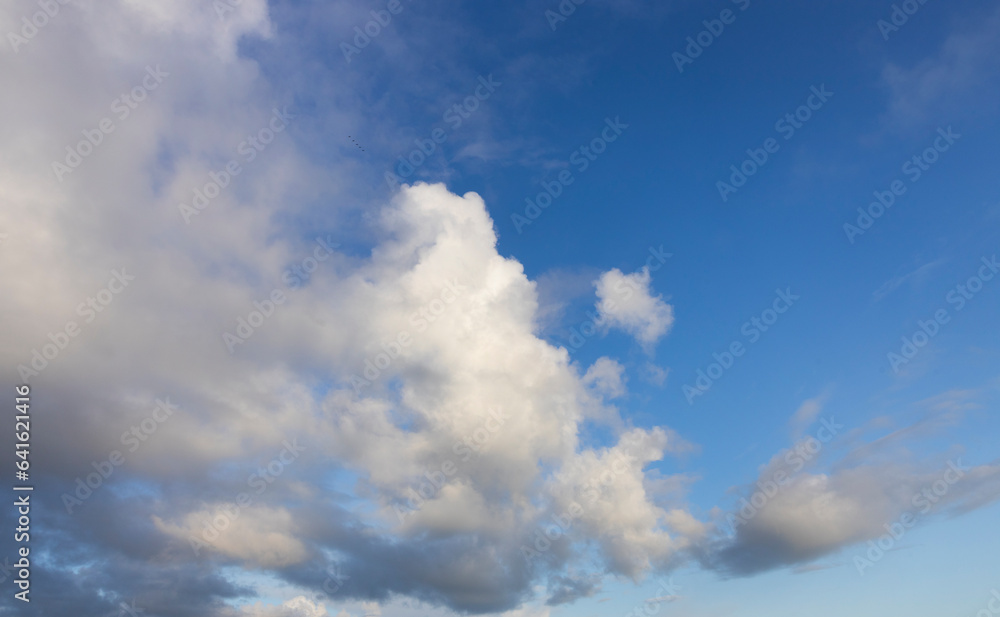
pixel 963 68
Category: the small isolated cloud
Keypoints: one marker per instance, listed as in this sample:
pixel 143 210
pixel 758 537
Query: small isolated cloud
pixel 625 302
pixel 656 375
pixel 606 377
pixel 806 414
pixel 795 514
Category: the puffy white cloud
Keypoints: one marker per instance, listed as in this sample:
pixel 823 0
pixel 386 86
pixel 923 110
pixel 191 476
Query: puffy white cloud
pixel 617 513
pixel 408 365
pixel 606 377
pixel 625 301
pixel 437 327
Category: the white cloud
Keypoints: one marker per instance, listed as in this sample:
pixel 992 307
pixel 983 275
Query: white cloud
pixel 606 377
pixel 625 301
pixel 470 316
pixel 617 513
pixel 803 513
pixel 656 375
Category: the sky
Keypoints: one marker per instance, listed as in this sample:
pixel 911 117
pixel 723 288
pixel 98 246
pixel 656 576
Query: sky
pixel 575 308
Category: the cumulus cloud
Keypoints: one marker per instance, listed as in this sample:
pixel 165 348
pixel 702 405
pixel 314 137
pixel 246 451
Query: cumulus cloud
pixel 388 364
pixel 606 377
pixel 625 302
pixel 833 489
pixel 439 432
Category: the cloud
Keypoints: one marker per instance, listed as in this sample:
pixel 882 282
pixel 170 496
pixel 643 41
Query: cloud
pixel 806 414
pixel 440 431
pixel 385 363
pixel 631 533
pixel 565 589
pixel 606 377
pixel 384 367
pixel 916 276
pixel 810 501
pixel 656 375
pixel 626 303
pixel 257 536
pixel 965 68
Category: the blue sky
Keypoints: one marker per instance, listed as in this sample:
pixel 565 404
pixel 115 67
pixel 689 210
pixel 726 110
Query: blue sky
pixel 880 322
